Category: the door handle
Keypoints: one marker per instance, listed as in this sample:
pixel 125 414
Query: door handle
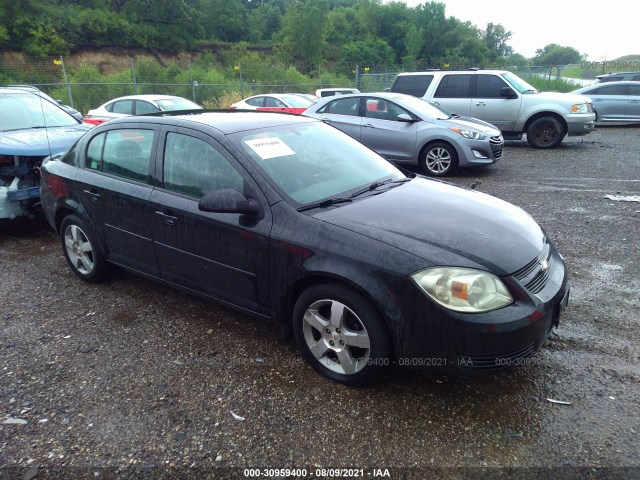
pixel 634 101
pixel 368 125
pixel 167 219
pixel 436 103
pixel 480 104
pixel 94 196
pixel 327 120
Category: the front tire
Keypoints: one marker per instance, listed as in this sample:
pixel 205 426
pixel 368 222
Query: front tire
pixel 341 334
pixel 81 250
pixel 439 159
pixel 545 132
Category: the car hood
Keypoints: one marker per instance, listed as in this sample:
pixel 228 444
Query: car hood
pixel 445 225
pixel 468 122
pixel 567 97
pixel 40 141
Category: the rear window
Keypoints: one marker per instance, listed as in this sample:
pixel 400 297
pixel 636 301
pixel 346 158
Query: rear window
pixel 415 85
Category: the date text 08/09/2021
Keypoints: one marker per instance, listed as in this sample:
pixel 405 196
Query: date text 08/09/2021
pixel 317 472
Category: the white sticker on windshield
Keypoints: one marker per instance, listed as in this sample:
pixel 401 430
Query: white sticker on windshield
pixel 270 147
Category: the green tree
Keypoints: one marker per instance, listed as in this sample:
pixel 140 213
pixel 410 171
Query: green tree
pixel 303 36
pixel 226 20
pixel 554 54
pixel 372 53
pixel 495 38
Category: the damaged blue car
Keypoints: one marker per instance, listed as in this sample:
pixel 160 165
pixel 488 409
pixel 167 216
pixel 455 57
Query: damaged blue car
pixel 31 128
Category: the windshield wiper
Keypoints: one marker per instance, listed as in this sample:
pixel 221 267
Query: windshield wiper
pixel 377 184
pixel 325 203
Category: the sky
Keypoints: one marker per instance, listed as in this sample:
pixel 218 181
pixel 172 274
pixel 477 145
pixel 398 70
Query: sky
pixel 601 29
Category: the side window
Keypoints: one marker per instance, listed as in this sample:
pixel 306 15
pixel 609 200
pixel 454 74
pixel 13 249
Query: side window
pixel 123 106
pixel 488 86
pixel 382 109
pixel 256 102
pixel 343 106
pixel 273 102
pixel 611 79
pixel 415 85
pixel 94 152
pixel 195 168
pixel 634 90
pixel 613 90
pixel 454 86
pixel 143 107
pixel 126 153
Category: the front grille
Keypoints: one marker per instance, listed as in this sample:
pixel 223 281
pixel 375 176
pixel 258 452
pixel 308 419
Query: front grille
pixel 533 275
pixel 497 139
pixel 497 154
pixel 495 362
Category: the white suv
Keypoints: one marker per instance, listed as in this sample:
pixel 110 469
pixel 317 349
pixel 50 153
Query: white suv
pixel 504 100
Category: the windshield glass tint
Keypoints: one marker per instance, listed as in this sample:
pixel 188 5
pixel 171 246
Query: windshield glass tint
pixel 422 108
pixel 31 111
pixel 313 161
pixel 516 82
pixel 177 104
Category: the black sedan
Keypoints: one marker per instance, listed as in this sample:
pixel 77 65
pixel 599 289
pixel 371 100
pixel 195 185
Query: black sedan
pixel 288 219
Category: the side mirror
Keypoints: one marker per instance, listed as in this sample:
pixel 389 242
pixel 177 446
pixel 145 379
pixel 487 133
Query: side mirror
pixel 508 92
pixel 228 200
pixel 405 117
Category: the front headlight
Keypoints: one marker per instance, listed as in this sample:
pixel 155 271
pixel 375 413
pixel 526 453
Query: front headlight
pixel 471 134
pixel 463 289
pixel 580 108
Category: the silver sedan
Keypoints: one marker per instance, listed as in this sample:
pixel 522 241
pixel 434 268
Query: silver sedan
pixel 614 101
pixel 409 130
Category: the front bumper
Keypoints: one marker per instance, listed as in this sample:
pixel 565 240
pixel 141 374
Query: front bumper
pixel 431 336
pixel 580 124
pixel 480 152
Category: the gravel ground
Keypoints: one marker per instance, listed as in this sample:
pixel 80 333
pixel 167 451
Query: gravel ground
pixel 131 379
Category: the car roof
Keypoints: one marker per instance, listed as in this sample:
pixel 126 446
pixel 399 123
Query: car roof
pixel 226 121
pixel 607 84
pixel 468 70
pixel 145 96
pixel 604 75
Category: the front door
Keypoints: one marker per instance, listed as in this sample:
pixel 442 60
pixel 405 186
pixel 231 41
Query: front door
pixel 221 255
pixel 382 132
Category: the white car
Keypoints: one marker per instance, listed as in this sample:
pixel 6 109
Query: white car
pixel 137 105
pixel 330 92
pixel 275 102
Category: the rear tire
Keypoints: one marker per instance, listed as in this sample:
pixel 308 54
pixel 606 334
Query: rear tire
pixel 545 132
pixel 341 334
pixel 439 159
pixel 81 250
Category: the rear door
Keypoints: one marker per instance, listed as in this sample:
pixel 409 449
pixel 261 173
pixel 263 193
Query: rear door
pixel 116 187
pixel 454 93
pixel 488 105
pixel 222 255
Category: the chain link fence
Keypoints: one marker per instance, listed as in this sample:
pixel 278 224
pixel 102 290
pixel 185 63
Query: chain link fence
pixel 87 81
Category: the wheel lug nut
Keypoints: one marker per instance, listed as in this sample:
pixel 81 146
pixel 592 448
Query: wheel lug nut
pixel 337 330
pixel 328 331
pixel 341 342
pixel 331 343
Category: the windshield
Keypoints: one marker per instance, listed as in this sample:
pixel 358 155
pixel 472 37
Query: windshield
pixel 422 108
pixel 169 104
pixel 519 84
pixel 297 101
pixel 26 110
pixel 311 162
